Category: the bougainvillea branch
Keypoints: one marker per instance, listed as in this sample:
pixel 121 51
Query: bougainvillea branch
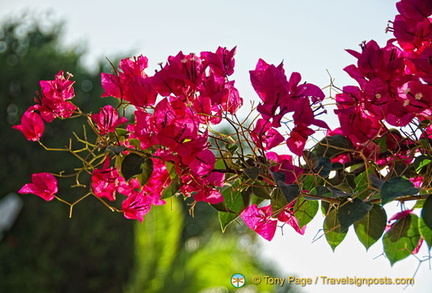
pixel 267 172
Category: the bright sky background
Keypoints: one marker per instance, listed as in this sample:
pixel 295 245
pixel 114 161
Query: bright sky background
pixel 309 35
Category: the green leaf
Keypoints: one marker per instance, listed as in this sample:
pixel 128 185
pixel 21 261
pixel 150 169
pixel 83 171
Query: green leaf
pixel 261 192
pixel 376 181
pixel 324 167
pixel 345 187
pixel 232 148
pixel 234 203
pixel 131 165
pixel 289 191
pixel 226 218
pixel 278 200
pixel 311 159
pixel 310 181
pixel 256 200
pixel 246 196
pixel 332 146
pixel 219 164
pixel 329 191
pixel 135 142
pixel 332 229
pixel 220 207
pixel 305 211
pixel 121 132
pixel 172 188
pixel 396 187
pixel 426 212
pixel 421 161
pixel 337 192
pixel 425 232
pixel 252 172
pixel 351 211
pixel 278 176
pixel 382 143
pixel 171 169
pixel 402 238
pixel 336 166
pixel 363 188
pixel 233 196
pixel 323 191
pixel 424 124
pixel 419 204
pixel 371 227
pixel 116 149
pixel 147 170
pixel 325 207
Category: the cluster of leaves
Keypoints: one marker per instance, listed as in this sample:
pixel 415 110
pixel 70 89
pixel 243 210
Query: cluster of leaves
pixel 165 148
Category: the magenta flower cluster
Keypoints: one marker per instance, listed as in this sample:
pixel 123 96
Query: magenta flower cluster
pixel 174 110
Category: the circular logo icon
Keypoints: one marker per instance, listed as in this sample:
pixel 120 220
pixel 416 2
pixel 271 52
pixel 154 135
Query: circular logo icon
pixel 238 280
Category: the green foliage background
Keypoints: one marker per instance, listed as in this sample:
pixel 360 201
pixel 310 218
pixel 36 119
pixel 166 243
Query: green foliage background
pixel 46 251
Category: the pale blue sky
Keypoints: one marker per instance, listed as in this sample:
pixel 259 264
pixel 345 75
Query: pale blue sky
pixel 309 35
